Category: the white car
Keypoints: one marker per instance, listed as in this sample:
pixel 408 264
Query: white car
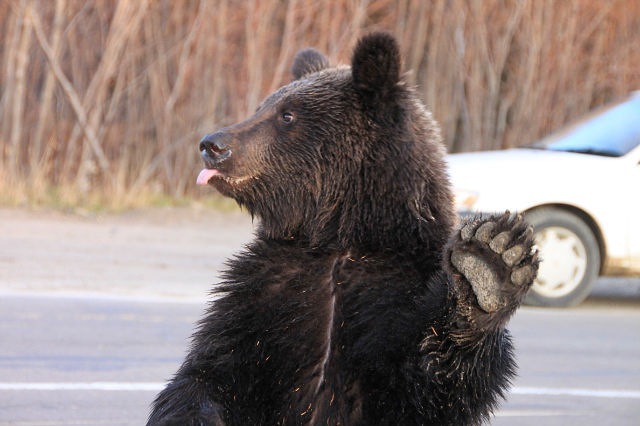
pixel 579 188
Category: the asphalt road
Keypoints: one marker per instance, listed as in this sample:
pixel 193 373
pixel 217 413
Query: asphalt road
pixel 96 313
pixel 100 361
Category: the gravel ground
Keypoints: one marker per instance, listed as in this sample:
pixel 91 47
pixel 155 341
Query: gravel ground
pixel 161 253
pixel 171 254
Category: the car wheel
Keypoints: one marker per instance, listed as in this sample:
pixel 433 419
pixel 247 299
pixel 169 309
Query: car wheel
pixel 570 258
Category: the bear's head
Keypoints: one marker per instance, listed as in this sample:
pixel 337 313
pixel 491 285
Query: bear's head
pixel 344 157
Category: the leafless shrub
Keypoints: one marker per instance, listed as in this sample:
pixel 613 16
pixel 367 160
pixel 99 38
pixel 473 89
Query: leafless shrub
pixel 105 100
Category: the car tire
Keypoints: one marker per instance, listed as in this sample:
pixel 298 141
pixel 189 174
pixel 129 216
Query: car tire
pixel 570 256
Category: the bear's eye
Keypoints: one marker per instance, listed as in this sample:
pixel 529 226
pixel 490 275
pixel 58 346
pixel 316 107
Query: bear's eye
pixel 287 117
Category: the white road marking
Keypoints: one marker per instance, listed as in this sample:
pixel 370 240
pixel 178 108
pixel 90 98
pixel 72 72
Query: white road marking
pixel 590 393
pixel 157 386
pixel 537 413
pixel 88 386
pixel 177 298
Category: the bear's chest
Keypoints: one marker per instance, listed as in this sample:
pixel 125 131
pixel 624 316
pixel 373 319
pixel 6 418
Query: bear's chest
pixel 321 307
pixel 322 325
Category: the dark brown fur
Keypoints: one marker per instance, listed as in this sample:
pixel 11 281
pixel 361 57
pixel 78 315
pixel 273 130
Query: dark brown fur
pixel 346 309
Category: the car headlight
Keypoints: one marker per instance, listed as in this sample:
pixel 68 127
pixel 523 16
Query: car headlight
pixel 464 200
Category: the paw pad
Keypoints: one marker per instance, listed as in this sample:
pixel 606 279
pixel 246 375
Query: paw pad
pixel 513 255
pixel 467 232
pixel 499 242
pixel 523 275
pixel 481 277
pixel 485 231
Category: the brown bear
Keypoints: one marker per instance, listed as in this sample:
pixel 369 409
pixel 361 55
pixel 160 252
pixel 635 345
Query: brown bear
pixel 358 303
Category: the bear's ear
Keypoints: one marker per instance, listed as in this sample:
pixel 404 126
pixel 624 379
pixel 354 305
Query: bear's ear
pixel 375 66
pixel 308 61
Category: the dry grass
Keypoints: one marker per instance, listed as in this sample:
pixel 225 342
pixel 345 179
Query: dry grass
pixel 103 102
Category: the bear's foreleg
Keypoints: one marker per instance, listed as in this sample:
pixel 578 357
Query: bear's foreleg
pixel 468 357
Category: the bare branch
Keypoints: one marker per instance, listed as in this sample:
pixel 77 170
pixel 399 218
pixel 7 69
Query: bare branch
pixel 71 93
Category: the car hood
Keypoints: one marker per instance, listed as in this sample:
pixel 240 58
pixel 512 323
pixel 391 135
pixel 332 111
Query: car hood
pixel 494 164
pixel 521 178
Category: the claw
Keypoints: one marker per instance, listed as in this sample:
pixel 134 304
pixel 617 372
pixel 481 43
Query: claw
pixel 528 233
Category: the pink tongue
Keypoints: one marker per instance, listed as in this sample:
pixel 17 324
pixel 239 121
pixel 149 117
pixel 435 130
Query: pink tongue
pixel 205 175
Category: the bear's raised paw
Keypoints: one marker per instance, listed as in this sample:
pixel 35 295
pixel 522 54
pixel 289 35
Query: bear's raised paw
pixel 495 255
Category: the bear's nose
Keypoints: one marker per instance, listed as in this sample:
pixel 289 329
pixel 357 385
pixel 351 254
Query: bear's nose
pixel 213 148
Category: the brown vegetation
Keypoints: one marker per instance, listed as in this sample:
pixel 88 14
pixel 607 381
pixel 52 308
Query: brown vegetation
pixel 108 98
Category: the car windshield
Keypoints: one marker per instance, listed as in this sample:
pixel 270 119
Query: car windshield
pixel 612 131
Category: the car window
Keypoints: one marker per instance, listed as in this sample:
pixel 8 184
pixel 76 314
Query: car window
pixel 612 131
